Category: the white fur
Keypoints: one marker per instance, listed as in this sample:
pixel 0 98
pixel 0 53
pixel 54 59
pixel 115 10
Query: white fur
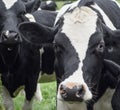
pixel 27 105
pixel 104 102
pixel 7 33
pixel 48 2
pixel 30 17
pixel 65 8
pixel 74 27
pixel 105 17
pixel 39 9
pixel 7 99
pixel 38 93
pixel 63 105
pixel 9 3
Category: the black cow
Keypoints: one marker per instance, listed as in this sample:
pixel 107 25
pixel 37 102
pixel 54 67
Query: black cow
pixel 19 58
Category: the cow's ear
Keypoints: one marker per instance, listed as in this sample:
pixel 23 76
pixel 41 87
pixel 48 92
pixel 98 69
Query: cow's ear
pixel 36 33
pixel 113 67
pixel 32 6
pixel 111 35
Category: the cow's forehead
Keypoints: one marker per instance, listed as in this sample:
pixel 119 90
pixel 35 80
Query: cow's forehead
pixel 79 26
pixel 9 3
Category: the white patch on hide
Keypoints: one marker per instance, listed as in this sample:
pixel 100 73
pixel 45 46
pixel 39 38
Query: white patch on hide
pixel 65 8
pixel 7 99
pixel 30 17
pixel 48 2
pixel 74 27
pixel 63 105
pixel 9 3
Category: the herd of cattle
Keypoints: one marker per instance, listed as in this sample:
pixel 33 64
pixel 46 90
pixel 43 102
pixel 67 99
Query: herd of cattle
pixel 80 43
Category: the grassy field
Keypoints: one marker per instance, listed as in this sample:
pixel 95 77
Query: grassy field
pixel 48 92
pixel 48 102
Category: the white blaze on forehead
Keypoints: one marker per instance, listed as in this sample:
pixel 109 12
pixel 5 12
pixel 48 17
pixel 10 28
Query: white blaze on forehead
pixel 78 27
pixel 30 17
pixel 65 8
pixel 9 3
pixel 105 17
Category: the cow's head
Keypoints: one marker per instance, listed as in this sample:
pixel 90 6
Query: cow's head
pixel 80 51
pixel 11 14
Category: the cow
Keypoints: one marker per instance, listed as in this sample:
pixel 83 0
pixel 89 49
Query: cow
pixel 46 50
pixel 48 5
pixel 92 73
pixel 20 62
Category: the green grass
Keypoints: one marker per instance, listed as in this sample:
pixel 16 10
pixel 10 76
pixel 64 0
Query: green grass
pixel 60 4
pixel 118 1
pixel 49 98
pixel 48 102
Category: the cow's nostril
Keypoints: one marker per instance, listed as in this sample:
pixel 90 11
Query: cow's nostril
pixel 80 91
pixel 63 92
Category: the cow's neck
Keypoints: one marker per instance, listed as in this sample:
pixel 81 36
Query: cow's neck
pixel 9 57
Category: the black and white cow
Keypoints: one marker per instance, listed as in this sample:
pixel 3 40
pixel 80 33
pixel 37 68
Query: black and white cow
pixel 81 44
pixel 48 5
pixel 19 58
pixel 41 16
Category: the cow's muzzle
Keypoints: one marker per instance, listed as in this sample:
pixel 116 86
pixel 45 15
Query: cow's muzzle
pixel 72 92
pixel 10 37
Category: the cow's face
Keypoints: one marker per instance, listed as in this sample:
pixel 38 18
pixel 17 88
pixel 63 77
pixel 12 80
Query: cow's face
pixel 79 53
pixel 10 13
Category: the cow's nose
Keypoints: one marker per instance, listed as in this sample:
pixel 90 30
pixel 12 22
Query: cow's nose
pixel 73 93
pixel 8 35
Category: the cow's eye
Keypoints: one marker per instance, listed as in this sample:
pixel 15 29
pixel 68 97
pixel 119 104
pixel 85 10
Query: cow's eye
pixel 57 48
pixel 100 47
